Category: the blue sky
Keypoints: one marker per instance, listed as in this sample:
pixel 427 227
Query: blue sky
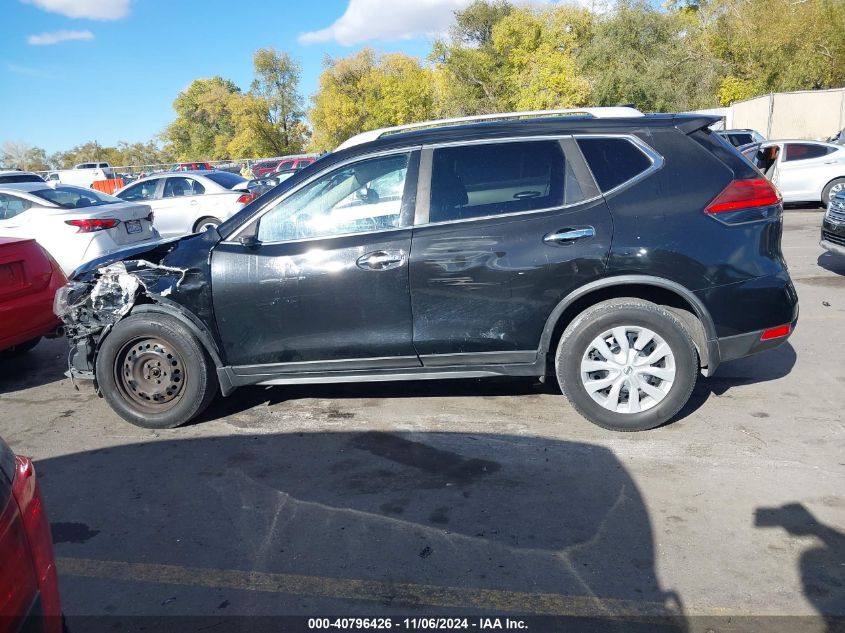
pixel 108 70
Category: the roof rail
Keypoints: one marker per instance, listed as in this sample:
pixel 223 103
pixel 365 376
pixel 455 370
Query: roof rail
pixel 598 113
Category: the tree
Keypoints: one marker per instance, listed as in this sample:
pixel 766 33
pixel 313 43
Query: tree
pixel 276 84
pixel 777 45
pixel 21 155
pixel 472 70
pixel 657 60
pixel 366 91
pixel 203 127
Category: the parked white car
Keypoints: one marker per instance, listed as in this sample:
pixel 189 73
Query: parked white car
pixel 80 177
pixel 73 224
pixel 7 176
pixel 804 171
pixel 189 202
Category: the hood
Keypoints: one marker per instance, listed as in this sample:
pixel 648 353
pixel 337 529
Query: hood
pixel 152 252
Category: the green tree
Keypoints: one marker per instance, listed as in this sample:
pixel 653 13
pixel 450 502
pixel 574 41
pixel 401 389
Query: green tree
pixel 203 127
pixel 473 71
pixel 777 45
pixel 657 60
pixel 366 91
pixel 276 85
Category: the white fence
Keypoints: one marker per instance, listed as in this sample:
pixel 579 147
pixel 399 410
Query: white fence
pixel 807 114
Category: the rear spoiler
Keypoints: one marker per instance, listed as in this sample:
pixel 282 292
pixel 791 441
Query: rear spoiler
pixel 689 123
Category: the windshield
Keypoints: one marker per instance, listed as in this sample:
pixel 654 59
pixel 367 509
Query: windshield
pixel 75 197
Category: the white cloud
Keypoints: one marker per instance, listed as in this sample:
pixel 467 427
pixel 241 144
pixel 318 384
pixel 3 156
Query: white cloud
pixel 371 20
pixel 91 9
pixel 47 39
pixel 367 20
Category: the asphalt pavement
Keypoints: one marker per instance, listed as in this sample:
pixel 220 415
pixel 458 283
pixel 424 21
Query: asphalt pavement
pixel 464 498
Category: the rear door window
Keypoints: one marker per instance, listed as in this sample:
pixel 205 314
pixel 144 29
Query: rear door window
pixel 613 161
pixel 179 187
pixel 491 179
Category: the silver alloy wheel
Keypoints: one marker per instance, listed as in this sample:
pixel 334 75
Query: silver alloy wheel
pixel 628 369
pixel 839 186
pixel 208 224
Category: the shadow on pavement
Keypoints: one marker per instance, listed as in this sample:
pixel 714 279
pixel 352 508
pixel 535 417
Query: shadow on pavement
pixel 822 566
pixel 419 523
pixel 832 262
pixel 757 368
pixel 44 364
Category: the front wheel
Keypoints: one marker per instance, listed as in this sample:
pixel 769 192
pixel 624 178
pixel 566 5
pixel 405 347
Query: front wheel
pixel 203 224
pixel 832 188
pixel 626 364
pixel 154 373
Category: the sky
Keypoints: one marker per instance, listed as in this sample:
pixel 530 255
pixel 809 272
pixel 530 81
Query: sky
pixel 73 71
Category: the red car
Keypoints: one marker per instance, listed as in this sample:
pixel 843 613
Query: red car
pixel 269 166
pixel 192 167
pixel 29 585
pixel 29 278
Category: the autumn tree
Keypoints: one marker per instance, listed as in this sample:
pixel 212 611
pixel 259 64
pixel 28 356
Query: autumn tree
pixel 366 91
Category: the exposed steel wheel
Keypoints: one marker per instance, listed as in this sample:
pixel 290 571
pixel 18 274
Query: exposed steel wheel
pixel 151 373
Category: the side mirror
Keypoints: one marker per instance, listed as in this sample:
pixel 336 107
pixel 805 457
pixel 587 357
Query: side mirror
pixel 249 241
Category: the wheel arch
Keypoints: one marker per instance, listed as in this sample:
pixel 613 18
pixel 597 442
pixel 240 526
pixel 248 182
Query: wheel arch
pixel 824 199
pixel 195 327
pixel 669 294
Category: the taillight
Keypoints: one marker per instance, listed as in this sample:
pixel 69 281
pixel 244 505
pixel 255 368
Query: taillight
pixel 246 198
pixel 776 332
pixel 90 226
pixel 745 201
pixel 31 505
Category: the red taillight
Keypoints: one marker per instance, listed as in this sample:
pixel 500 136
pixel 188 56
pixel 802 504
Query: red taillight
pixel 744 194
pixel 31 505
pixel 90 226
pixel 246 198
pixel 776 332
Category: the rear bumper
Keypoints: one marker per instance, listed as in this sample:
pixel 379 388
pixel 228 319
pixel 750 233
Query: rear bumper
pixel 27 317
pixel 741 345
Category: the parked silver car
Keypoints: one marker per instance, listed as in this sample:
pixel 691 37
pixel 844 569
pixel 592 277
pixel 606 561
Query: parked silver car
pixel 804 171
pixel 189 202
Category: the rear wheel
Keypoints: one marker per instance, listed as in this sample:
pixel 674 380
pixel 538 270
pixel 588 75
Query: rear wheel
pixel 626 364
pixel 203 224
pixel 833 187
pixel 155 374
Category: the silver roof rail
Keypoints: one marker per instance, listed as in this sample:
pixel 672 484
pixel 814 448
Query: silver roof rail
pixel 598 113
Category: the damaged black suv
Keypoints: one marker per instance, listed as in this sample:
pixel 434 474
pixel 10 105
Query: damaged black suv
pixel 618 252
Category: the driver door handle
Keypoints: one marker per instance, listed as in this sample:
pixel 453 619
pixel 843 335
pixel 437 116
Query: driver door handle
pixel 381 260
pixel 569 235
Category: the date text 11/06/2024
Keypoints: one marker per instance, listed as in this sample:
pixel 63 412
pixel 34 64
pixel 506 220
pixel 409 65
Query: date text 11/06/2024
pixel 435 624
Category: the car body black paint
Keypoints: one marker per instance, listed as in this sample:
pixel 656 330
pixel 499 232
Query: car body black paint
pixel 479 296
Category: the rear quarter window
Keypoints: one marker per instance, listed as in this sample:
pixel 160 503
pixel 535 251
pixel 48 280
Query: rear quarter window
pixel 806 151
pixel 613 161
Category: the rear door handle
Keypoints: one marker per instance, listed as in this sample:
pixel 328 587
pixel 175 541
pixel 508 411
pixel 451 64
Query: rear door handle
pixel 569 235
pixel 381 260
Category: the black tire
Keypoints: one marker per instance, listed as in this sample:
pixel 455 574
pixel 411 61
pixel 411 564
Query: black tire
pixel 589 325
pixel 154 373
pixel 827 193
pixel 207 220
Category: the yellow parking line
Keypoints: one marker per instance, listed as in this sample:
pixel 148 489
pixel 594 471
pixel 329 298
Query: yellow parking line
pixel 396 593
